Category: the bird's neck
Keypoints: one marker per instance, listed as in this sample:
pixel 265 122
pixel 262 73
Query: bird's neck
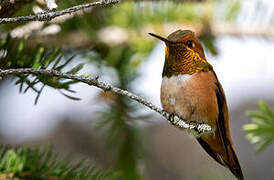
pixel 189 63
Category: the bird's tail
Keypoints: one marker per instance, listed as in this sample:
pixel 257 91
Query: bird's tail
pixel 233 164
pixel 223 154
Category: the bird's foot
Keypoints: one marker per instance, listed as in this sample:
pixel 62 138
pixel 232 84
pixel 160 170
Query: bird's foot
pixel 202 127
pixel 177 121
pixel 171 118
pixel 197 128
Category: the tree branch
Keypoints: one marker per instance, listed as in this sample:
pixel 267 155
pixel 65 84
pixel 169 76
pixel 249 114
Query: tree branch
pixel 47 16
pixel 174 119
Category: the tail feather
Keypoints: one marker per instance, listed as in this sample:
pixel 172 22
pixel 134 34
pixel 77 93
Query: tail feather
pixel 234 165
pixel 210 151
pixel 225 156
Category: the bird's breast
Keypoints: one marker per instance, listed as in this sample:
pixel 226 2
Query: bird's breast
pixel 173 94
pixel 193 97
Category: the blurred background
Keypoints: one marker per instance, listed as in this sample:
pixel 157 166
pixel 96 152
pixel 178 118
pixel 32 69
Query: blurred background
pixel 113 43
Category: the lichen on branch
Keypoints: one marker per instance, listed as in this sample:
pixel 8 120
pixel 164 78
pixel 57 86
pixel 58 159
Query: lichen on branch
pixel 47 16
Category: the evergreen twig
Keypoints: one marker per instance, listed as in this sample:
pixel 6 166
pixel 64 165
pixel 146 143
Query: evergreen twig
pixel 174 119
pixel 45 164
pixel 261 130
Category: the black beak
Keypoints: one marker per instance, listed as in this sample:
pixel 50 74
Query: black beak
pixel 161 38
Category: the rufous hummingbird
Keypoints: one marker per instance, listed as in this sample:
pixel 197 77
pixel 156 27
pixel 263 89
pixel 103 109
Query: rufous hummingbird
pixel 191 90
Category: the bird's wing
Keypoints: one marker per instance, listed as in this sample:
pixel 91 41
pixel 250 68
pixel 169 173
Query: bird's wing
pixel 223 128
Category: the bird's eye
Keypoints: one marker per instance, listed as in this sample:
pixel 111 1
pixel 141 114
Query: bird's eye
pixel 190 44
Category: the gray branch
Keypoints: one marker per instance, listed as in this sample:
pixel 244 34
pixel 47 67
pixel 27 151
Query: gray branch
pixel 47 16
pixel 174 119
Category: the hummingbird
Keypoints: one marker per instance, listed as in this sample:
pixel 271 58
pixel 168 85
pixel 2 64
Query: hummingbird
pixel 190 89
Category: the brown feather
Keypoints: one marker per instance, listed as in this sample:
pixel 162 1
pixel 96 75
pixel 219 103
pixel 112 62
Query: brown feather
pixel 223 126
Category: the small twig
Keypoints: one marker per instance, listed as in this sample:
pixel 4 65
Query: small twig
pixel 175 120
pixel 47 16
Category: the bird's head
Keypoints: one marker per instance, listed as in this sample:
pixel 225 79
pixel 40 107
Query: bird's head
pixel 184 54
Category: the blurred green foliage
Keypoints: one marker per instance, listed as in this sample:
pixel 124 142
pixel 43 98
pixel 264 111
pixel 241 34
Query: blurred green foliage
pixel 135 16
pixel 26 163
pixel 233 8
pixel 261 130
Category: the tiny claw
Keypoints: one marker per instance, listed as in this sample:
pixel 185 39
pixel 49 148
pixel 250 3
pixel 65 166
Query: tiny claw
pixel 202 127
pixel 193 123
pixel 197 126
pixel 171 118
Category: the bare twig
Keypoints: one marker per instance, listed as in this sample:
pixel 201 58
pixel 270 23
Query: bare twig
pixel 174 119
pixel 47 16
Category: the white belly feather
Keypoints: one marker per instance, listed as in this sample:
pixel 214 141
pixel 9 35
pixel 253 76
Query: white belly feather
pixel 172 90
pixel 179 79
pixel 172 84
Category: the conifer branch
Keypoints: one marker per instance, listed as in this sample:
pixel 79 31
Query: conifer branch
pixel 173 119
pixel 47 16
pixel 35 163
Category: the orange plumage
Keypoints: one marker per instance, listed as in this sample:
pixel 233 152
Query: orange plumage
pixel 191 89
